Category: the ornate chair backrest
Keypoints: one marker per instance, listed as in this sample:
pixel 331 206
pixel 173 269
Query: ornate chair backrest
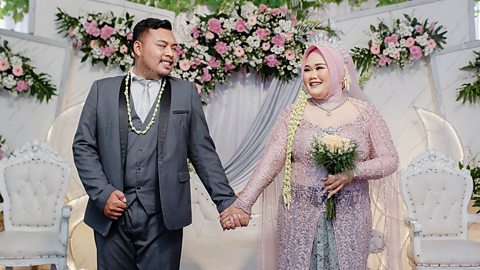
pixel 436 193
pixel 33 182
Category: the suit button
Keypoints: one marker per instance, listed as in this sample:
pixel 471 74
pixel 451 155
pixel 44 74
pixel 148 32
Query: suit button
pixel 139 187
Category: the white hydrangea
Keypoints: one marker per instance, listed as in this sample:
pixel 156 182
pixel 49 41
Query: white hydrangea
pixel 113 42
pixel 16 61
pixel 248 9
pixel 422 40
pixel 106 17
pixel 248 49
pixel 285 25
pixel 377 39
pixel 97 53
pixel 404 30
pixel 229 24
pixel 3 56
pixel 277 49
pixel 427 50
pixel 277 30
pixel 121 29
pixel 9 81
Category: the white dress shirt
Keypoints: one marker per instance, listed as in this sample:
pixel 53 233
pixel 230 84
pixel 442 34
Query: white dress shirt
pixel 137 87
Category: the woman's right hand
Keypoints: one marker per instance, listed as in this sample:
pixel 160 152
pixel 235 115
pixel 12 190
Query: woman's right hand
pixel 234 217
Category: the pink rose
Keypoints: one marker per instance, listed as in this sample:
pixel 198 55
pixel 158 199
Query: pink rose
pixel 271 60
pixel 262 33
pixel 22 86
pixel 4 65
pixel 288 36
pixel 221 47
pixel 262 8
pixel 275 11
pixel 420 30
pixel 409 42
pixel 106 32
pixel 384 60
pixel 392 39
pixel 289 55
pixel 185 64
pixel 228 67
pixel 196 62
pixel 17 71
pixel 239 51
pixel 92 29
pixel 195 33
pixel 180 50
pixel 215 26
pixel 432 26
pixel 209 35
pixel 213 62
pixel 206 75
pixel 194 42
pixel 375 49
pixel 130 36
pixel 240 25
pixel 252 20
pixel 123 49
pixel 431 44
pixel 107 50
pixel 415 53
pixel 266 46
pixel 284 9
pixel 278 40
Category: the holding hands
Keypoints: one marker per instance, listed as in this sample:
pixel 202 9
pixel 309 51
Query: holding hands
pixel 234 217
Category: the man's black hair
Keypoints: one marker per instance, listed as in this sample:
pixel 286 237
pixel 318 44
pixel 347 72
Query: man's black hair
pixel 149 23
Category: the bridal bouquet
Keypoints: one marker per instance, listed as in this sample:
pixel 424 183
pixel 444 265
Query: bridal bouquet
pixel 337 155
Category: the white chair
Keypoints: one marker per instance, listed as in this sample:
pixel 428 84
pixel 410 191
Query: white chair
pixel 436 193
pixel 33 182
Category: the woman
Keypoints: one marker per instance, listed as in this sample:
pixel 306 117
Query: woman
pixel 306 239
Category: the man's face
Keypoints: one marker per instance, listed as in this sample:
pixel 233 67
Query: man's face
pixel 156 52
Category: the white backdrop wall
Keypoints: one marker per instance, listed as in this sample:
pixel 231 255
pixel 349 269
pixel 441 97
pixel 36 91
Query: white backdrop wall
pixel 24 118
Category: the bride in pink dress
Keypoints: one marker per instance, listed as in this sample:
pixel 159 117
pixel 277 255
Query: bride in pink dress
pixel 306 239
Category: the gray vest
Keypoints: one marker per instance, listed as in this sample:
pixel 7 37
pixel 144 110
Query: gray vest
pixel 141 168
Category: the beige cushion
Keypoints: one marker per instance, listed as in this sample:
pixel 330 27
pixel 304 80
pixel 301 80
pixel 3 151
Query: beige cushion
pixel 30 244
pixel 459 252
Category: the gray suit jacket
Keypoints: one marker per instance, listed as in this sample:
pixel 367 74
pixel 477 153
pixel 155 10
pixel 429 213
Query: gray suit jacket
pixel 99 151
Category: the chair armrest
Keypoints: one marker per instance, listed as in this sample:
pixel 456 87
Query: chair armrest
pixel 473 218
pixel 417 244
pixel 66 210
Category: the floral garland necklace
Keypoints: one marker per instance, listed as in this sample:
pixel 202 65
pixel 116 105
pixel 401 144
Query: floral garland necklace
pixel 292 128
pixel 129 109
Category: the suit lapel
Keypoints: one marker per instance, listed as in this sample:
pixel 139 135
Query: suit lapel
pixel 123 123
pixel 164 116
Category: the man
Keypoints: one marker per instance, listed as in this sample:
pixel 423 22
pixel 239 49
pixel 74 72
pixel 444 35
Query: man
pixel 131 147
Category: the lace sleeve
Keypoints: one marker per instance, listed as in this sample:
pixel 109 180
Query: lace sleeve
pixel 383 157
pixel 269 166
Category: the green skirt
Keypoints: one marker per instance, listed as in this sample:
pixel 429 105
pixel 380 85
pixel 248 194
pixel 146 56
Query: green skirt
pixel 324 253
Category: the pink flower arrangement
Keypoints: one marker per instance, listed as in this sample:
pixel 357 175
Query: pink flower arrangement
pixel 102 37
pixel 18 76
pixel 407 41
pixel 226 42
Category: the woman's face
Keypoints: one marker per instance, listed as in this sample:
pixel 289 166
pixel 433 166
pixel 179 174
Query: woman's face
pixel 316 77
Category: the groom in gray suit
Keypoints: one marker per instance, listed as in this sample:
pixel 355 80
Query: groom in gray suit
pixel 130 149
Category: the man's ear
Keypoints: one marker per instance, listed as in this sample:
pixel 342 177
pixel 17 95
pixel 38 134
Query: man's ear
pixel 137 47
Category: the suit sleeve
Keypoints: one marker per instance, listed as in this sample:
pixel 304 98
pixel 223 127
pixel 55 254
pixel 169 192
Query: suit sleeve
pixel 85 153
pixel 202 154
